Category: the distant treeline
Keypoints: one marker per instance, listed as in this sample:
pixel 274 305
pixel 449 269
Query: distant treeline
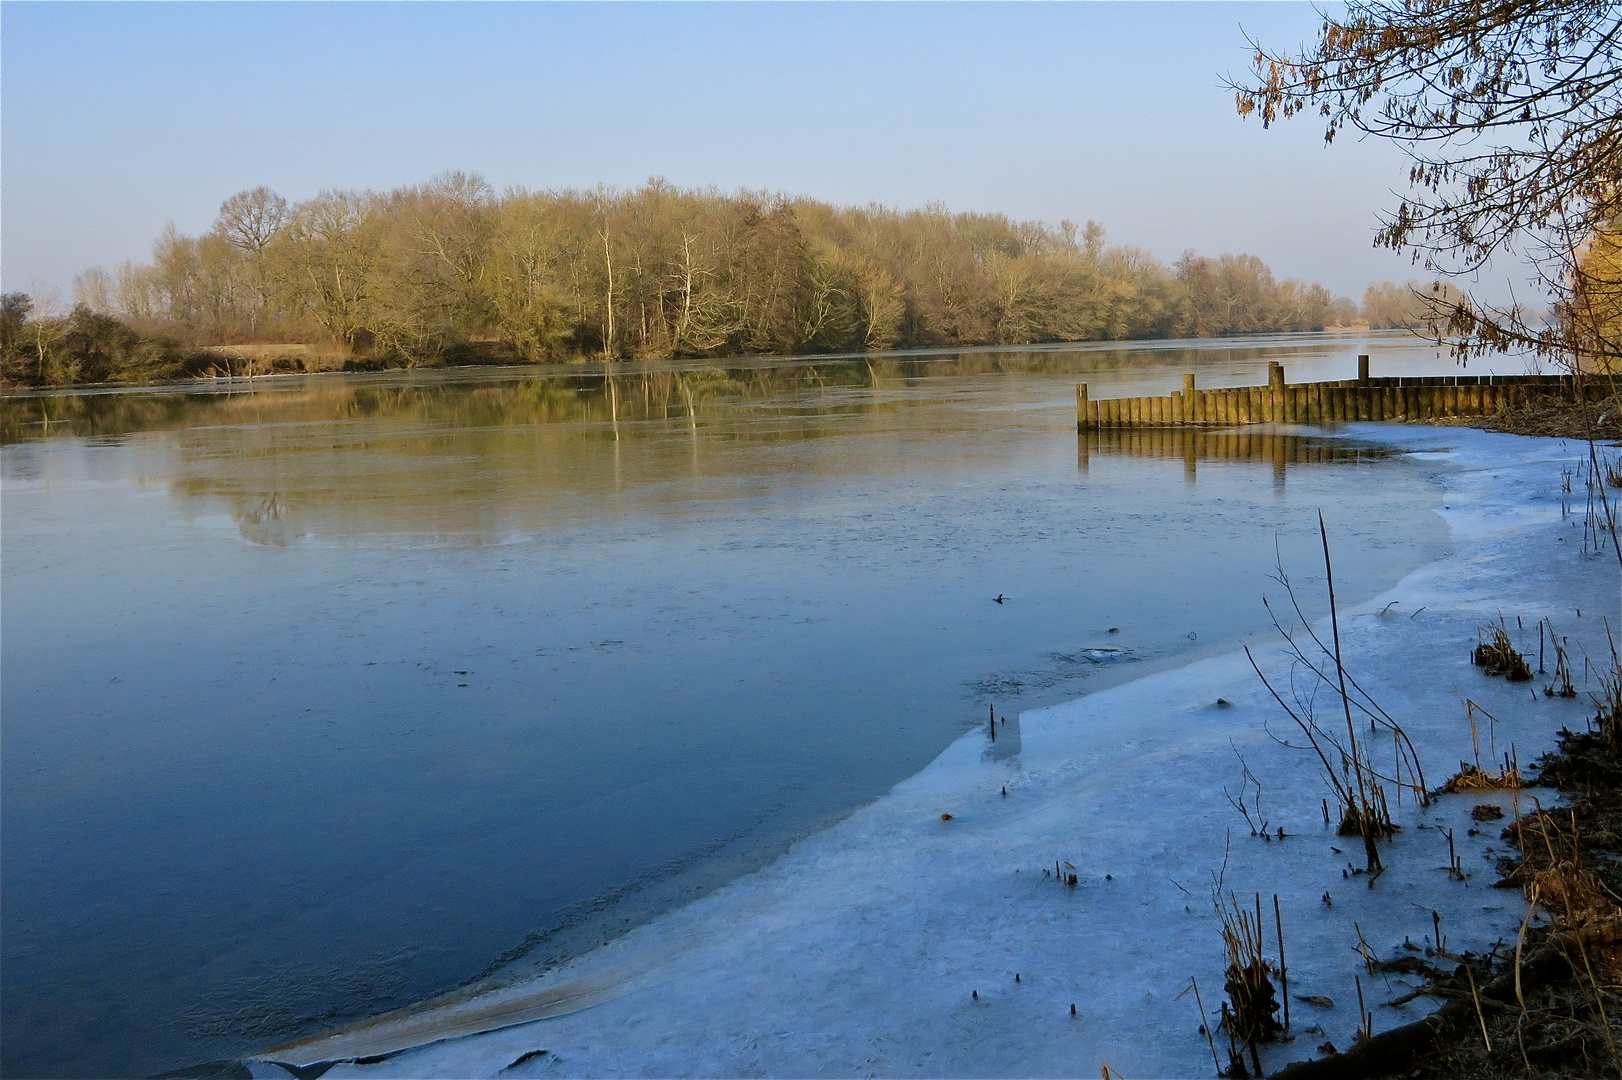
pixel 451 271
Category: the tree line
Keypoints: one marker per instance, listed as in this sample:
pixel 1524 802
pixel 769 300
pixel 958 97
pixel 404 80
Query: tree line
pixel 453 271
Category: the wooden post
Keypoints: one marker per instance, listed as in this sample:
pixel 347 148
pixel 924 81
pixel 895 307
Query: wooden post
pixel 1081 406
pixel 1363 368
pixel 1275 375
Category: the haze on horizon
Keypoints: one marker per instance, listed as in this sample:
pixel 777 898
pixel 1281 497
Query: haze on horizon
pixel 1102 111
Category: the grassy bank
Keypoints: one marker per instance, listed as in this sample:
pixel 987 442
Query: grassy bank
pixel 86 348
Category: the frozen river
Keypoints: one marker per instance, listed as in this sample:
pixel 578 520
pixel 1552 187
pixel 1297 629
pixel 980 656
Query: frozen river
pixel 327 695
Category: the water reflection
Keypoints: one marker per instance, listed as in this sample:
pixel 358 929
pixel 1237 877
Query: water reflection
pixel 1280 449
pixel 639 391
pixel 489 456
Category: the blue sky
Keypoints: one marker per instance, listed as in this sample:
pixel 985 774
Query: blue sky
pixel 119 118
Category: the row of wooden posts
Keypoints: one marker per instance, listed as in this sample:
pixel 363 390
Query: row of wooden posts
pixel 1363 398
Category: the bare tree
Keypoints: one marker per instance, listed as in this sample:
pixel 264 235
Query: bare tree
pixel 250 220
pixel 94 289
pixel 1511 111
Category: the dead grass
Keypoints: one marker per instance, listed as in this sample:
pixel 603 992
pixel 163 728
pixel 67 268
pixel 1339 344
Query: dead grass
pixel 1546 1005
pixel 1471 778
pixel 1250 1015
pixel 1557 999
pixel 1550 417
pixel 1496 655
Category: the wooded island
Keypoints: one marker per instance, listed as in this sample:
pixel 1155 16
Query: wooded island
pixel 452 271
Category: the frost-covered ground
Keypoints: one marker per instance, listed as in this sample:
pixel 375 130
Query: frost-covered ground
pixel 890 943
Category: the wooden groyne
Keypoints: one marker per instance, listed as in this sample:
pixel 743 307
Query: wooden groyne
pixel 1363 398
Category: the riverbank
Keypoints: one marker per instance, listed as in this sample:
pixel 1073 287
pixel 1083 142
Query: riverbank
pixel 1550 418
pixel 927 934
pixel 1549 1007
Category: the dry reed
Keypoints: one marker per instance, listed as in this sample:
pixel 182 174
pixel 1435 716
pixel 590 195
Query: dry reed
pixel 1496 655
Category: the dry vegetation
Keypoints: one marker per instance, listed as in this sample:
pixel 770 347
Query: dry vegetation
pixel 1549 1003
pixel 1552 417
pixel 453 272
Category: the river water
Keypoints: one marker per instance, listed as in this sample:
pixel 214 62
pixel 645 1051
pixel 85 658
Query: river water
pixel 328 693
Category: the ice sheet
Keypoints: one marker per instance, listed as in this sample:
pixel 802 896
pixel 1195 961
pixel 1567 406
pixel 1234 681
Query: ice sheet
pixel 889 944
